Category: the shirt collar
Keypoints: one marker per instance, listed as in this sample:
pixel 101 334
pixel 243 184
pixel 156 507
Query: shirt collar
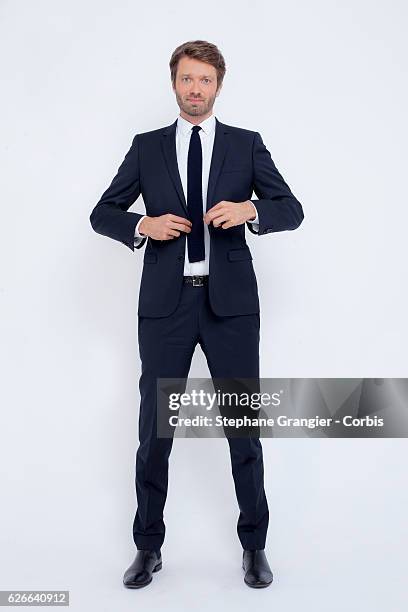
pixel 207 126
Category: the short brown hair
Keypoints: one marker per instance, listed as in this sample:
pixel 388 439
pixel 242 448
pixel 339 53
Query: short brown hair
pixel 200 50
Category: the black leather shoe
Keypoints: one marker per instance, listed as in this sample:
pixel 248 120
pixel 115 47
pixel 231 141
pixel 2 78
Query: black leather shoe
pixel 258 574
pixel 139 574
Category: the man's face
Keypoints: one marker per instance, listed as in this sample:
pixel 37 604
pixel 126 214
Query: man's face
pixel 195 87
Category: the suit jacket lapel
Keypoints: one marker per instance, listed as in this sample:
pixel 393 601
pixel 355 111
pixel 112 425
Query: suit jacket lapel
pixel 170 155
pixel 217 159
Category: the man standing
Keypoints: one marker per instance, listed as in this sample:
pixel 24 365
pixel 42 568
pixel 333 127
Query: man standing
pixel 198 283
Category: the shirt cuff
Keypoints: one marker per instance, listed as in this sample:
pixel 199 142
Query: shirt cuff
pixel 139 237
pixel 256 220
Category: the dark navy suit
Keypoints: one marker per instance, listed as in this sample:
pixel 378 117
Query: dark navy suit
pixel 173 317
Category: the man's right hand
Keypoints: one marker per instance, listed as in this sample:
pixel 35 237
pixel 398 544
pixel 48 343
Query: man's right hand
pixel 165 227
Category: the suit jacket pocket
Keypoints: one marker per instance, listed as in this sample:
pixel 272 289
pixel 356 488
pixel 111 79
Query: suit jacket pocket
pixel 228 169
pixel 239 254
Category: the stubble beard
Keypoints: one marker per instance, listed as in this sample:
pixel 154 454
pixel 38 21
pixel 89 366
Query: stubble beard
pixel 195 110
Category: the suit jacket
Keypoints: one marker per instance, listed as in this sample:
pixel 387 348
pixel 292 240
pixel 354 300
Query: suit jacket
pixel 240 165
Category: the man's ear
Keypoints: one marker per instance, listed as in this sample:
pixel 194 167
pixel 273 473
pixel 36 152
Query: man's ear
pixel 219 89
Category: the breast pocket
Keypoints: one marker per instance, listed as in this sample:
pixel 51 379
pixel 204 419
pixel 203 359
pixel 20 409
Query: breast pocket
pixel 244 169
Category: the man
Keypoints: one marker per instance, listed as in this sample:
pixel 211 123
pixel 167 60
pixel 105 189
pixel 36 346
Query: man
pixel 198 284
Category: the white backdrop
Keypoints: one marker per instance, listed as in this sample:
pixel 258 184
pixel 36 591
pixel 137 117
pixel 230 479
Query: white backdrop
pixel 324 83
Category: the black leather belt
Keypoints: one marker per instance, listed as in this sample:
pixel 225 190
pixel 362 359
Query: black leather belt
pixel 196 281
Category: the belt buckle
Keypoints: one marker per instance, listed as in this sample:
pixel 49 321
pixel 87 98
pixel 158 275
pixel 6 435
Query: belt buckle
pixel 197 281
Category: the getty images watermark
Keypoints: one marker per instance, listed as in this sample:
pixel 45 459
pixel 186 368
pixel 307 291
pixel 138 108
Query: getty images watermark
pixel 282 407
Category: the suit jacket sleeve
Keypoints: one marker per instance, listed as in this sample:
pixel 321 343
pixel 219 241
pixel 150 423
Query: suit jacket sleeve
pixel 110 217
pixel 277 207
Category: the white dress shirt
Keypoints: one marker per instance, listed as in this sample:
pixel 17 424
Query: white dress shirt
pixel 183 135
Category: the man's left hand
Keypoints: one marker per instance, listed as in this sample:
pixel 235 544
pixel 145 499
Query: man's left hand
pixel 228 214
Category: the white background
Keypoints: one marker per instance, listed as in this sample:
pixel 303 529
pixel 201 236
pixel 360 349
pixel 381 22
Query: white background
pixel 324 83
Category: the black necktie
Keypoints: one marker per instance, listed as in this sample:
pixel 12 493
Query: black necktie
pixel 195 239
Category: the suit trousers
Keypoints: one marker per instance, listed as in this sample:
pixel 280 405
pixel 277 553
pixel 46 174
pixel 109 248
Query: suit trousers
pixel 166 346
